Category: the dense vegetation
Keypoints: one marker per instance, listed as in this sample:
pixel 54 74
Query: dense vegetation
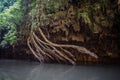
pixel 10 17
pixel 5 4
pixel 63 27
pixel 78 23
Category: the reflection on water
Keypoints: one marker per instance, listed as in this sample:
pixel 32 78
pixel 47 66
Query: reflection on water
pixel 19 70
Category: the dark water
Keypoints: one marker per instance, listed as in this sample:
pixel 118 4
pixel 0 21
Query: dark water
pixel 20 70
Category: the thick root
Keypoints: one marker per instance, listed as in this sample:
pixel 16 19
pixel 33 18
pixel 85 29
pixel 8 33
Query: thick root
pixel 43 48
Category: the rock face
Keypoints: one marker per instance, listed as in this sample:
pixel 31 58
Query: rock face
pixel 86 26
pixel 89 24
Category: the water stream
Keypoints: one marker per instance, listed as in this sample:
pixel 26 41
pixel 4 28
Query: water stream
pixel 24 70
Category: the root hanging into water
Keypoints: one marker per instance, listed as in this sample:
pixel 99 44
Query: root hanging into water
pixel 43 49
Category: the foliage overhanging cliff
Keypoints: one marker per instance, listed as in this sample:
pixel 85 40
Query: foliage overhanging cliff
pixel 60 30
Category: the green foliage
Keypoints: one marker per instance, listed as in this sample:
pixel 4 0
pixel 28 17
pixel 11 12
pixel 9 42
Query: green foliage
pixel 50 7
pixel 53 5
pixel 9 21
pixel 34 3
pixel 4 4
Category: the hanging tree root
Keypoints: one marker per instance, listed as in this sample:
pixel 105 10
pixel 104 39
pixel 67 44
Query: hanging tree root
pixel 44 48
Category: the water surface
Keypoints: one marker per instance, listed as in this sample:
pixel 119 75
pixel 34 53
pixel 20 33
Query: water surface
pixel 21 70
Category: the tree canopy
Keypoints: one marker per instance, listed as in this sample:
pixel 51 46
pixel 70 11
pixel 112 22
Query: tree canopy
pixel 4 4
pixel 10 17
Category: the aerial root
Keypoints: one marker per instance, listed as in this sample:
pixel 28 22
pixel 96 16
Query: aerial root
pixel 42 48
